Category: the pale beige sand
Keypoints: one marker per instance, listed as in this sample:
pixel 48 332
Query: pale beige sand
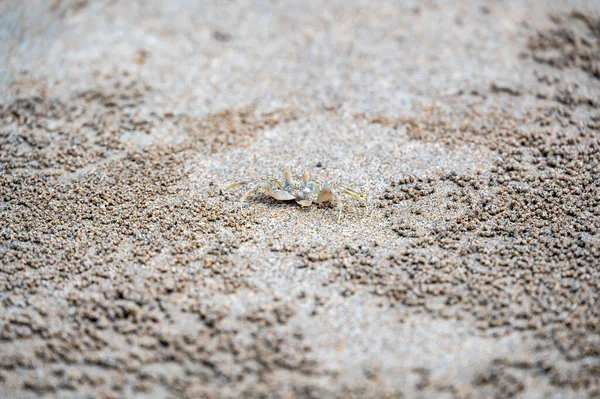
pixel 473 127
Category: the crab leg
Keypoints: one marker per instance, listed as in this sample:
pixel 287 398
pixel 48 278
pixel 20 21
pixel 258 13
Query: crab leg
pixel 340 203
pixel 254 187
pixel 239 184
pixel 356 195
pixel 266 185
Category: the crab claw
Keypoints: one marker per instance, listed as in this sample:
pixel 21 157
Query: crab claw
pixel 324 195
pixel 279 195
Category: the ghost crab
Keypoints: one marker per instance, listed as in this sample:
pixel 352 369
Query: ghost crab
pixel 305 192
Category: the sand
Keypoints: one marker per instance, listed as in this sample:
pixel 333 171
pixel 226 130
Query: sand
pixel 127 270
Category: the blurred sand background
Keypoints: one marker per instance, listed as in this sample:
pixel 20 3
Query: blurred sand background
pixel 473 126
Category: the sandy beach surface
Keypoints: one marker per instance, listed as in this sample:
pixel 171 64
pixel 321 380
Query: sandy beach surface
pixel 127 270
